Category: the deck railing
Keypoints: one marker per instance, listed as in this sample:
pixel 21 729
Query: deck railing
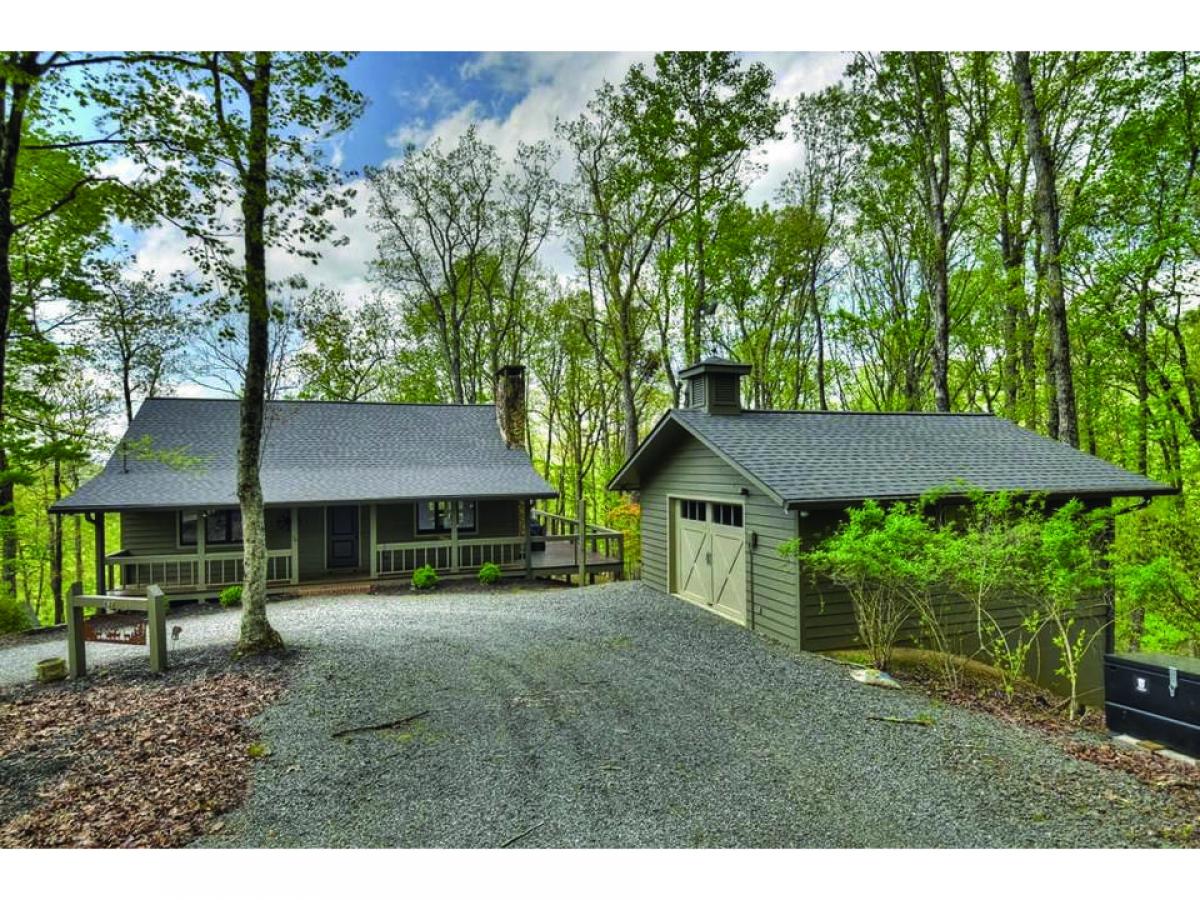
pixel 597 539
pixel 184 570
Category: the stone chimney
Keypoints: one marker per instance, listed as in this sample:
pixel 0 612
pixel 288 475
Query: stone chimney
pixel 510 405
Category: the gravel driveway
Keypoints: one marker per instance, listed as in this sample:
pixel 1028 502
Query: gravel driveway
pixel 617 716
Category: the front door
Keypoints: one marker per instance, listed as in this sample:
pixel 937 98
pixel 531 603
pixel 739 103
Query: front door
pixel 341 529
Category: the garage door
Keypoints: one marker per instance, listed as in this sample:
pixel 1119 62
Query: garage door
pixel 710 564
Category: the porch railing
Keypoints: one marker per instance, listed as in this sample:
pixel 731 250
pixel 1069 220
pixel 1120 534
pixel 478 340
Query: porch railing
pixel 468 553
pixel 184 570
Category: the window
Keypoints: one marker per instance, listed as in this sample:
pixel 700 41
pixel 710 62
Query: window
pixel 696 510
pixel 434 516
pixel 221 526
pixel 727 514
pixel 187 529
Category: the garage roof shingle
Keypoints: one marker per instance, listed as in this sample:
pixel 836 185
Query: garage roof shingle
pixel 314 452
pixel 828 457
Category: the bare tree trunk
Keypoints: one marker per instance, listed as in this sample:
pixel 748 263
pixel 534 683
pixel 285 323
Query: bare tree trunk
pixel 1142 379
pixel 257 635
pixel 940 309
pixel 56 549
pixel 1048 223
pixel 819 321
pixel 1014 301
pixel 127 389
pixel 629 411
pixel 10 145
pixel 1053 423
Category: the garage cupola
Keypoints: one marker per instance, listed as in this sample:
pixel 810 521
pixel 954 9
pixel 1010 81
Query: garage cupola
pixel 714 385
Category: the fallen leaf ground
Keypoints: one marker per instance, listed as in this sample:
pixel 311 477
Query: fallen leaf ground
pixel 127 759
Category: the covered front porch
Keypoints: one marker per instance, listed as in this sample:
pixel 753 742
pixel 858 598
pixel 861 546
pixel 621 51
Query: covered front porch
pixel 359 543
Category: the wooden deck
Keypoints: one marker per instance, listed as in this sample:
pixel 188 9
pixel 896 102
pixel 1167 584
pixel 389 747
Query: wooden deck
pixel 559 559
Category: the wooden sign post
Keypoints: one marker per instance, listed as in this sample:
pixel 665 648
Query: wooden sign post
pixel 154 605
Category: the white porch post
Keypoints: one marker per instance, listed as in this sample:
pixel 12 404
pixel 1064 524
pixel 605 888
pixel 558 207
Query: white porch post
pixel 454 535
pixel 374 541
pixel 295 517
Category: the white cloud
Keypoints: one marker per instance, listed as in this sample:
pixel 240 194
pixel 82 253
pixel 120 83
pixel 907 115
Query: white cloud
pixel 432 94
pixel 559 85
pixel 795 74
pixel 551 86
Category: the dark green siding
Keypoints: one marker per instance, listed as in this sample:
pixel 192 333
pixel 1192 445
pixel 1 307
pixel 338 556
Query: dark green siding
pixel 397 522
pixel 153 532
pixel 692 470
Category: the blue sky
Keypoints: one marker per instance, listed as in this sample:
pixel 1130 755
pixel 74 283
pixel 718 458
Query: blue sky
pixel 406 87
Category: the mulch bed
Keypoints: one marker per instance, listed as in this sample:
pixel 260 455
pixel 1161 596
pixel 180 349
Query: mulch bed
pixel 465 586
pixel 128 759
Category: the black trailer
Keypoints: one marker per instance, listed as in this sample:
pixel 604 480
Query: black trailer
pixel 1154 697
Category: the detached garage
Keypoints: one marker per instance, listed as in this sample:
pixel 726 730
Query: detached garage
pixel 722 487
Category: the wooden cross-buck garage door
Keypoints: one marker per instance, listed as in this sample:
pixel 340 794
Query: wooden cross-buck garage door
pixel 710 556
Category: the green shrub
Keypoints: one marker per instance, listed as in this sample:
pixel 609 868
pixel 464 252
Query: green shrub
pixel 489 573
pixel 231 596
pixel 425 578
pixel 886 559
pixel 12 615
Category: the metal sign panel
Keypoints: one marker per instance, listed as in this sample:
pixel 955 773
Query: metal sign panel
pixel 115 628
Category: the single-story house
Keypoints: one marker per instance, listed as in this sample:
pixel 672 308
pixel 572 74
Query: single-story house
pixel 352 491
pixel 722 487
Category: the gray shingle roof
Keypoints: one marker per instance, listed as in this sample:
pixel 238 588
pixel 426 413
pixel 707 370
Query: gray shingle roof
pixel 314 452
pixel 825 457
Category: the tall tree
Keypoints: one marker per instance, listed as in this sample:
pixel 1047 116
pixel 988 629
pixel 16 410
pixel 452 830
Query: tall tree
pixel 910 98
pixel 244 136
pixel 33 120
pixel 142 331
pixel 348 354
pixel 1051 264
pixel 618 211
pixel 819 189
pixel 697 120
pixel 458 242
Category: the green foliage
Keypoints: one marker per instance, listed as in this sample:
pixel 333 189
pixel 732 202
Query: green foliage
pixel 987 557
pixel 901 567
pixel 887 559
pixel 425 578
pixel 489 573
pixel 231 596
pixel 1156 564
pixel 12 614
